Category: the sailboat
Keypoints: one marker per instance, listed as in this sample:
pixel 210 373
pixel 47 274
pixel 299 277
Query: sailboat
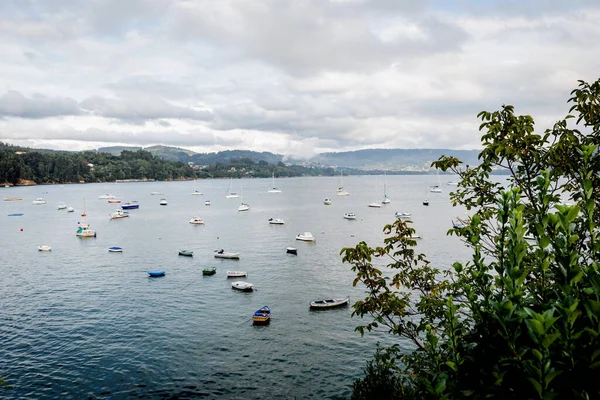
pixel 230 195
pixel 426 200
pixel 196 192
pixel 84 230
pixel 340 190
pixel 273 189
pixel 243 206
pixel 386 199
pixel 436 188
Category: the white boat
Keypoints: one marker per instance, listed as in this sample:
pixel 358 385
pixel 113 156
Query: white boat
pixel 374 205
pixel 61 206
pixel 236 274
pixel 305 237
pixel 403 215
pixel 229 256
pixel 197 193
pixel 459 223
pixel 115 249
pixel 163 202
pixel 156 193
pixel 207 203
pixel 106 196
pixel 276 221
pixel 435 189
pixel 327 201
pixel 243 286
pixel 39 200
pixel 70 209
pixel 119 214
pixel 415 236
pixel 329 303
pixel 196 220
pixel 273 189
pixel 452 183
pixel 386 199
pixel 243 207
pixel 231 195
pixel 85 231
pixel 340 189
pixel 44 248
pixel 350 215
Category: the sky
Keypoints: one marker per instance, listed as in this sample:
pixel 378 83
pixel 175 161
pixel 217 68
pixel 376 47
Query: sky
pixel 294 77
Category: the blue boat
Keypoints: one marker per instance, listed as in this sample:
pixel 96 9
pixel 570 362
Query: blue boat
pixel 156 274
pixel 262 316
pixel 15 215
pixel 132 205
pixel 115 249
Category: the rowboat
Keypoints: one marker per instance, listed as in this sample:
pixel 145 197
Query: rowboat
pixel 236 274
pixel 44 248
pixel 305 237
pixel 187 253
pixel 209 271
pixel 156 274
pixel 291 250
pixel 229 256
pixel 115 249
pixel 328 303
pixel 12 198
pixel 262 316
pixel 114 201
pixel 15 214
pixel 242 286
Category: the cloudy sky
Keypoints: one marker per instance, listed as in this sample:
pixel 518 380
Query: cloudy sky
pixel 288 76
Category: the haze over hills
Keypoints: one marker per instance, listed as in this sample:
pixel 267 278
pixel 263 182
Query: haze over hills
pixel 368 159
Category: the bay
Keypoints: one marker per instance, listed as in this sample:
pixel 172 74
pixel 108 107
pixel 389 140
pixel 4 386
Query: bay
pixel 82 322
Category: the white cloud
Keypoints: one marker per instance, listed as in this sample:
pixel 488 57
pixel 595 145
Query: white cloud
pixel 290 77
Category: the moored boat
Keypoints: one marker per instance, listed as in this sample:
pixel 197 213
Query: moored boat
pixel 291 250
pixel 350 215
pixel 242 286
pixel 209 271
pixel 114 201
pixel 106 196
pixel 163 202
pixel 70 209
pixel 236 274
pixel 61 206
pixel 227 255
pixel 186 253
pixel 305 237
pixel 262 316
pixel 207 203
pixel 15 214
pixel 85 231
pixel 328 303
pixel 13 198
pixel 197 193
pixel 119 214
pixel 39 200
pixel 276 221
pixel 156 273
pixel 327 202
pixel 44 248
pixel 374 205
pixel 115 249
pixel 130 205
pixel 402 215
pixel 244 207
pixel 196 220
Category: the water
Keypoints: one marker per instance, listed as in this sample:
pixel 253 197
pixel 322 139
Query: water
pixel 81 322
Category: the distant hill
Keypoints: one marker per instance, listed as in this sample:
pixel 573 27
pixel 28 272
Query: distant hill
pixel 116 150
pixel 393 159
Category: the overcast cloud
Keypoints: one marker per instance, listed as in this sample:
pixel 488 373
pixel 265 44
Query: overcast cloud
pixel 292 77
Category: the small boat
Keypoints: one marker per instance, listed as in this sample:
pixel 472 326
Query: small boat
pixel 106 196
pixel 197 193
pixel 12 198
pixel 262 316
pixel 459 223
pixel 452 183
pixel 61 206
pixel 39 200
pixel 291 250
pixel 402 215
pixel 386 200
pixel 156 193
pixel 209 271
pixel 119 214
pixel 435 189
pixel 187 253
pixel 15 215
pixel 340 190
pixel 85 231
pixel 374 205
pixel 415 236
pixel 328 303
pixel 70 209
pixel 426 202
pixel 232 195
pixel 156 274
pixel 115 249
pixel 207 203
pixel 196 221
pixel 305 237
pixel 236 274
pixel 350 215
pixel 114 201
pixel 242 286
pixel 243 207
pixel 163 202
pixel 327 202
pixel 273 189
pixel 224 254
pixel 130 205
pixel 44 248
pixel 276 221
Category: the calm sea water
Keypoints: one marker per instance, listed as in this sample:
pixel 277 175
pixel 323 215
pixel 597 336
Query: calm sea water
pixel 80 322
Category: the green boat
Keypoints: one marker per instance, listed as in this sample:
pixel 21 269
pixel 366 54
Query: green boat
pixel 187 253
pixel 209 271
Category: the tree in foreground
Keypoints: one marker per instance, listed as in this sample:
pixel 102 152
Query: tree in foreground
pixel 521 318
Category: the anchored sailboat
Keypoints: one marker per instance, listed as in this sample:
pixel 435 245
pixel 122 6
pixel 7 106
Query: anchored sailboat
pixel 273 189
pixel 340 190
pixel 386 199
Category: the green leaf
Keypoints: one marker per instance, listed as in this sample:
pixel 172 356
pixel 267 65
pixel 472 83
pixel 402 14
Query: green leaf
pixel 452 366
pixel 536 385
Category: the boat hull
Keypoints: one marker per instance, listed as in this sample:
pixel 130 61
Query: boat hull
pixel 209 271
pixel 156 274
pixel 328 303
